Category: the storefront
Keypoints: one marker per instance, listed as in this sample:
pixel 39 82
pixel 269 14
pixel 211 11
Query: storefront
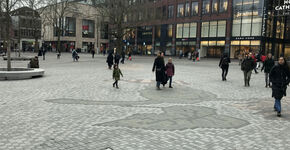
pixel 185 46
pixel 212 49
pixel 244 45
pixel 144 41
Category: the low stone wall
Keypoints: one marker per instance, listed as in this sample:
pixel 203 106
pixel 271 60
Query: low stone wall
pixel 18 58
pixel 20 73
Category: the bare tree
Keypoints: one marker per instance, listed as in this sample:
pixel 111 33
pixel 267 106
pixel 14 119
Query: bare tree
pixel 55 13
pixel 118 13
pixel 7 6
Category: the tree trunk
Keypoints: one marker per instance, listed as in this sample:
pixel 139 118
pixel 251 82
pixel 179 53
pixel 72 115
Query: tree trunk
pixel 8 41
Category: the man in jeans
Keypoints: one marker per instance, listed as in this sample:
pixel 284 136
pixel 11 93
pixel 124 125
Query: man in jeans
pixel 247 66
pixel 268 65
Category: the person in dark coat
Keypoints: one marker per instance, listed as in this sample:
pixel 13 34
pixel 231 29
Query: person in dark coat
pixel 159 69
pixel 267 66
pixel 116 75
pixel 117 58
pixel 123 57
pixel 280 77
pixel 34 63
pixel 170 71
pixel 165 78
pixel 93 53
pixel 110 60
pixel 247 67
pixel 224 65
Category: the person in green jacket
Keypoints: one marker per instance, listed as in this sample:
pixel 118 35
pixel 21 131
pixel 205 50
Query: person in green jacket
pixel 116 75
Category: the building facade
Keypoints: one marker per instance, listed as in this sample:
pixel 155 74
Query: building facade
pixel 81 29
pixel 212 27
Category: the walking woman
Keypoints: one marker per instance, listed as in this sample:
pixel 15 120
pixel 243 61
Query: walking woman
pixel 268 64
pixel 224 64
pixel 110 60
pixel 160 70
pixel 280 77
pixel 116 75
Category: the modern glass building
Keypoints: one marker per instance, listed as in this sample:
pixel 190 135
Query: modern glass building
pixel 211 26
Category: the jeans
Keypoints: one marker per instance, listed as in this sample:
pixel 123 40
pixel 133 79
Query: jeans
pixel 247 77
pixel 267 78
pixel 225 72
pixel 158 84
pixel 116 83
pixel 277 105
pixel 170 80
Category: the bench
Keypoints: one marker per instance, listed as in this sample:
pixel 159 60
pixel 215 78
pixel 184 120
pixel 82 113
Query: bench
pixel 19 58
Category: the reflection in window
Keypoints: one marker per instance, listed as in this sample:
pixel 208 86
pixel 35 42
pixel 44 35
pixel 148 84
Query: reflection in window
pixel 187 9
pixel 214 6
pixel 223 5
pixel 205 6
pixel 180 10
pixel 194 8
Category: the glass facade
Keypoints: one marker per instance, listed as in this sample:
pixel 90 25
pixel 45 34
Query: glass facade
pixel 186 30
pixel 213 29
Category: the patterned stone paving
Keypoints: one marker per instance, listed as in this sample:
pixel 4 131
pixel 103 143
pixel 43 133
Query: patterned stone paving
pixel 75 107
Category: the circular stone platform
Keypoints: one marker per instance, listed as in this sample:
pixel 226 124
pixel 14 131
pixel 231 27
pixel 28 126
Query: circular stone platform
pixel 20 73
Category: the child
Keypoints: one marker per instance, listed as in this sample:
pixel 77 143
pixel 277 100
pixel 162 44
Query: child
pixel 116 75
pixel 170 71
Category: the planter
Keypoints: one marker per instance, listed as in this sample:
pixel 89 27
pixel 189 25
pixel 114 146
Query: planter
pixel 20 73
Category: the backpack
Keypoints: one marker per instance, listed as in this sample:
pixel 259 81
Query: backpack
pixel 225 61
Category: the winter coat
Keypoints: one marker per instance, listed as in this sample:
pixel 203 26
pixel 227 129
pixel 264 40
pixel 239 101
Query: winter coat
pixel 170 69
pixel 74 54
pixel 117 73
pixel 263 58
pixel 34 63
pixel 248 65
pixel 280 77
pixel 224 62
pixel 110 59
pixel 117 58
pixel 268 65
pixel 160 69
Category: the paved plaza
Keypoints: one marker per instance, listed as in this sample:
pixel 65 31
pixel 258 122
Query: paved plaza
pixel 75 107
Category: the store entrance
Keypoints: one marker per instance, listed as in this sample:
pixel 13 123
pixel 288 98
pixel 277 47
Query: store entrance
pixel 215 51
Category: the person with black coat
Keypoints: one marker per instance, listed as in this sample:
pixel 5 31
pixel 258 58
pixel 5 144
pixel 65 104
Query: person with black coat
pixel 159 68
pixel 110 60
pixel 268 65
pixel 280 77
pixel 117 58
pixel 123 57
pixel 247 67
pixel 224 65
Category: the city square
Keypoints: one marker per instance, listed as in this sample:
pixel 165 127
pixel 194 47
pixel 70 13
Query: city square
pixel 74 106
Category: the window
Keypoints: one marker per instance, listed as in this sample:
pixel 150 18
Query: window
pixel 214 6
pixel 194 8
pixel 213 29
pixel 246 26
pixel 70 24
pixel 257 26
pixel 104 31
pixel 88 28
pixel 187 9
pixel 169 31
pixel 186 30
pixel 170 11
pixel 193 27
pixel 222 25
pixel 179 30
pixel 205 6
pixel 223 5
pixel 180 10
pixel 204 29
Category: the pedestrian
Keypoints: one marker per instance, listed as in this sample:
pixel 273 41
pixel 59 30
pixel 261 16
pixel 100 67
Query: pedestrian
pixel 280 77
pixel 165 78
pixel 116 75
pixel 224 65
pixel 34 63
pixel 255 61
pixel 75 55
pixel 117 58
pixel 110 60
pixel 129 56
pixel 170 71
pixel 240 58
pixel 93 53
pixel 247 67
pixel 263 59
pixel 43 53
pixel 268 65
pixel 159 68
pixel 123 57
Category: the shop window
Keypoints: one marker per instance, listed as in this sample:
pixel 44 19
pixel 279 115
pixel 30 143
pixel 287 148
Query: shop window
pixel 205 6
pixel 222 25
pixel 204 29
pixel 88 28
pixel 223 5
pixel 256 26
pixel 214 6
pixel 193 28
pixel 187 9
pixel 194 8
pixel 246 26
pixel 179 30
pixel 213 29
pixel 186 30
pixel 180 10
